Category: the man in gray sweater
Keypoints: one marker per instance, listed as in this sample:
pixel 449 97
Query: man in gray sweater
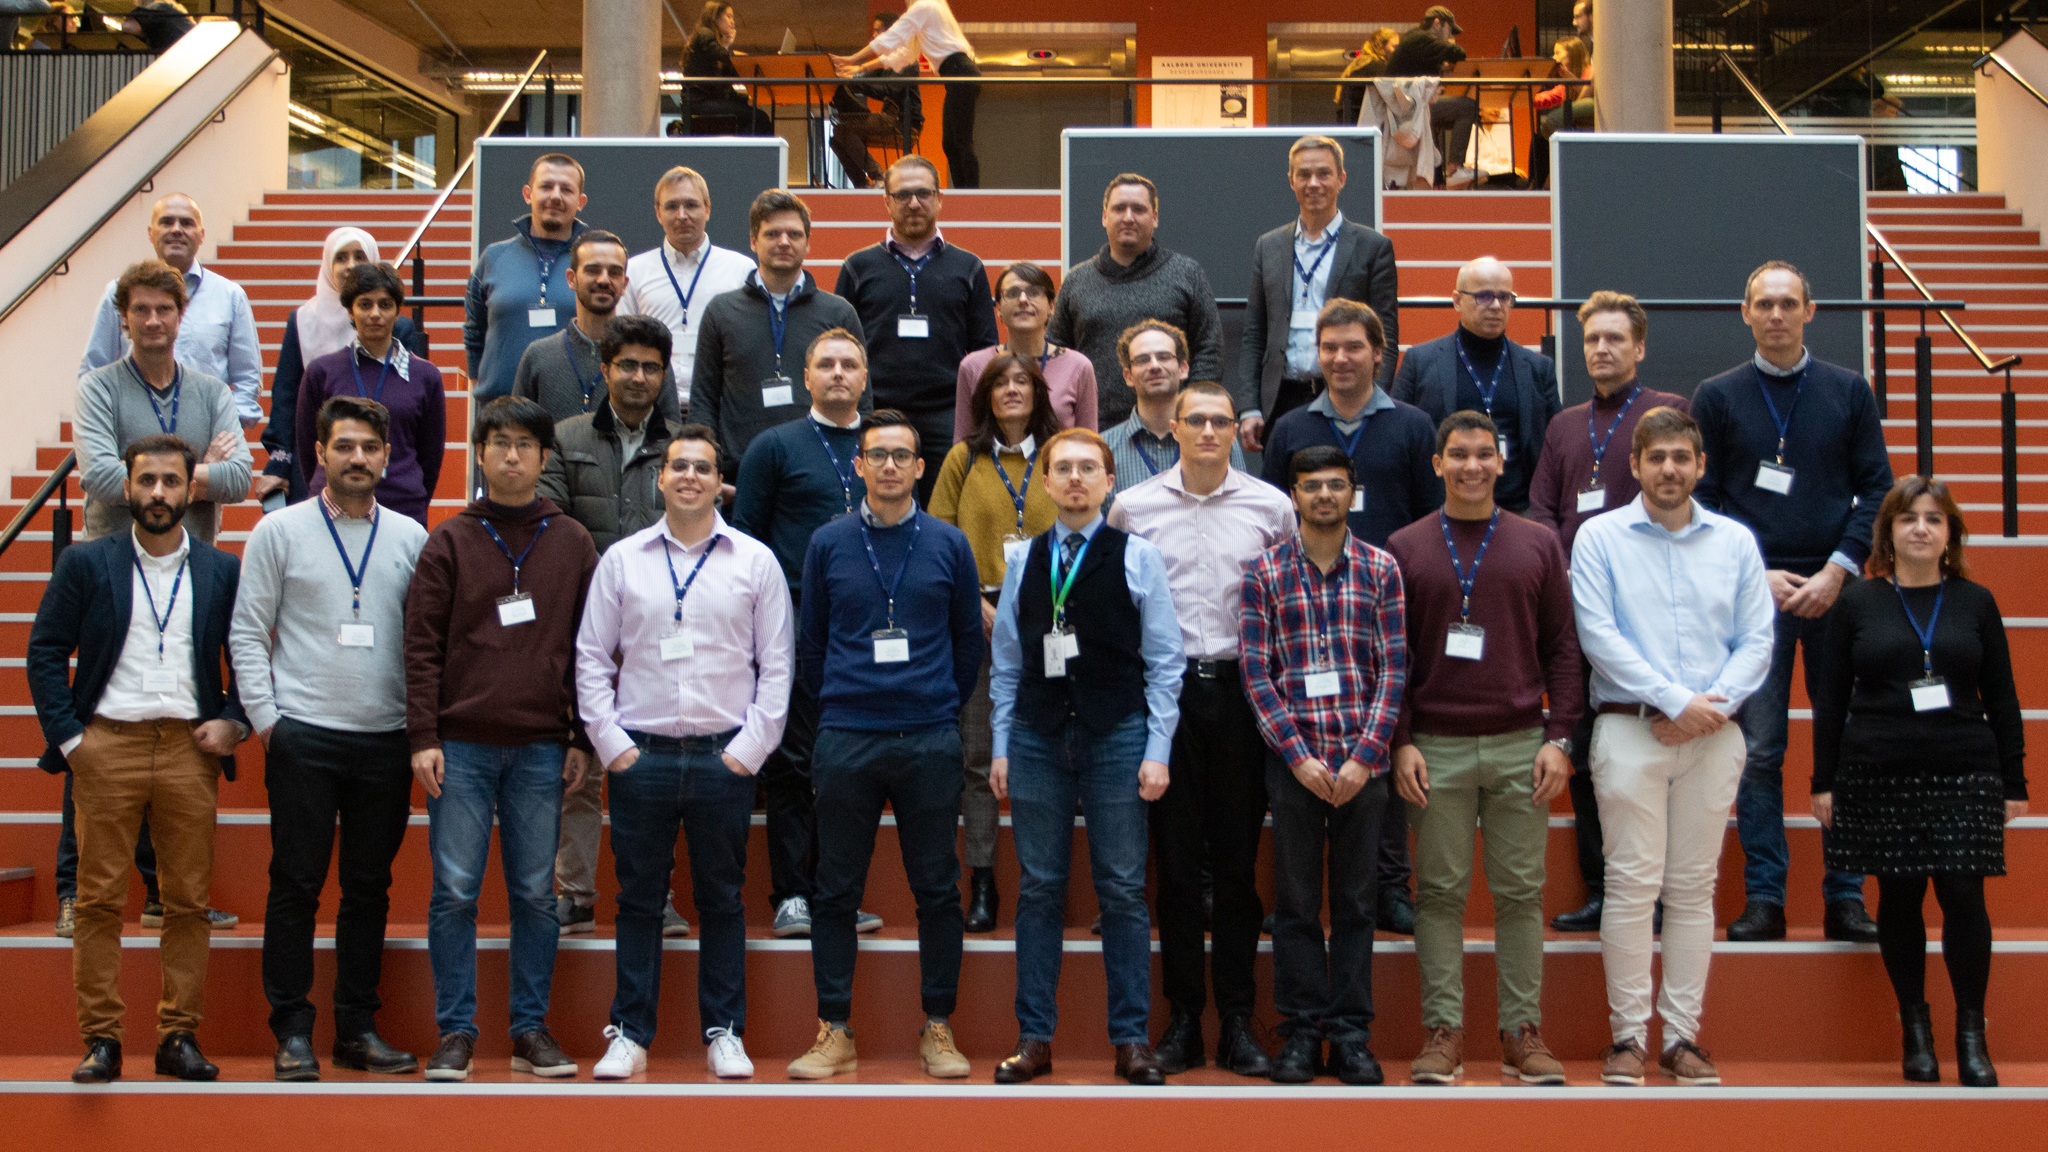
pixel 563 372
pixel 148 392
pixel 1133 279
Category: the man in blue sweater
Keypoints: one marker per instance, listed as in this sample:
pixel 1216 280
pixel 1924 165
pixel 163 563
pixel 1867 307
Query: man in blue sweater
pixel 1795 450
pixel 519 290
pixel 890 641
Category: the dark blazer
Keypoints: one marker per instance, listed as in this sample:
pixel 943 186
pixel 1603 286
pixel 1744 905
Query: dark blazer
pixel 1428 379
pixel 1361 268
pixel 85 609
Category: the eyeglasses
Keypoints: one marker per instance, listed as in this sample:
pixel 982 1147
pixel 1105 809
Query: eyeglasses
pixel 920 195
pixel 1489 299
pixel 1313 487
pixel 633 368
pixel 1219 422
pixel 900 457
pixel 522 445
pixel 697 467
pixel 1080 467
pixel 1024 292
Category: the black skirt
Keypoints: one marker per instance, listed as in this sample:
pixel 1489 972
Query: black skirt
pixel 1927 806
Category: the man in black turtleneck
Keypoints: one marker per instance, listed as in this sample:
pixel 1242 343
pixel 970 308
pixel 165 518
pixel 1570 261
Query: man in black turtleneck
pixel 1466 370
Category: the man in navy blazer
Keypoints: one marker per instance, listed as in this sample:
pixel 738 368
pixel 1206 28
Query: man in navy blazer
pixel 1478 368
pixel 146 729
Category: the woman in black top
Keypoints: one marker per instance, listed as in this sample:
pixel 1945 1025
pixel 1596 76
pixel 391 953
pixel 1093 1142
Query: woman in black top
pixel 710 54
pixel 1918 758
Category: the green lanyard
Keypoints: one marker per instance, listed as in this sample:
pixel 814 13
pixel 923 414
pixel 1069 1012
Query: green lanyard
pixel 1059 589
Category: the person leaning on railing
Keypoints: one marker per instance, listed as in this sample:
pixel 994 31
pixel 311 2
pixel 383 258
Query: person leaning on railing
pixel 1371 62
pixel 928 28
pixel 1431 49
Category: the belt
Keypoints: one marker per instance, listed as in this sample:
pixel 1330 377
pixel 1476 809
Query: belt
pixel 1640 711
pixel 650 742
pixel 1213 669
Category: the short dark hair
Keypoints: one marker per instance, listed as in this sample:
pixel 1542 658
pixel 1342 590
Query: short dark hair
pixel 1665 424
pixel 693 431
pixel 1464 420
pixel 1337 313
pixel 772 201
pixel 364 279
pixel 1134 180
pixel 891 418
pixel 835 334
pixel 1320 458
pixel 149 274
pixel 510 412
pixel 645 331
pixel 1029 273
pixel 555 159
pixel 159 444
pixel 1123 342
pixel 589 236
pixel 358 408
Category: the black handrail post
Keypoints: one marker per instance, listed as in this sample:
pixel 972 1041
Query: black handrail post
pixel 1923 387
pixel 547 114
pixel 419 284
pixel 60 524
pixel 1714 93
pixel 1877 336
pixel 1550 335
pixel 2009 452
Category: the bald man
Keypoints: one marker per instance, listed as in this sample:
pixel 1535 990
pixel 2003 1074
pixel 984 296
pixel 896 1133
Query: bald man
pixel 216 337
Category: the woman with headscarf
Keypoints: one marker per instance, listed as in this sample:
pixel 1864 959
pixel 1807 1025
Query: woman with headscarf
pixel 314 329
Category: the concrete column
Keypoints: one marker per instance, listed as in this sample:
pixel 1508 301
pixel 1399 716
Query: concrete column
pixel 622 67
pixel 1632 65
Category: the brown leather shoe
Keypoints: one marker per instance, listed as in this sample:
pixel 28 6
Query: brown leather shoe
pixel 1032 1059
pixel 1139 1064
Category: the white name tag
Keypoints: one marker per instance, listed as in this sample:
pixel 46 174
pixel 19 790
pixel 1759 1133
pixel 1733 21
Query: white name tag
pixel 1302 318
pixel 913 327
pixel 1774 478
pixel 1015 552
pixel 159 680
pixel 1321 684
pixel 892 645
pixel 1593 500
pixel 1465 641
pixel 1059 648
pixel 1502 441
pixel 777 392
pixel 540 317
pixel 676 648
pixel 358 636
pixel 1358 499
pixel 515 609
pixel 1930 695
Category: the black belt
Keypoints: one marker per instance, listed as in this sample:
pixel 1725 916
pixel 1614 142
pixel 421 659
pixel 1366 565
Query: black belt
pixel 1639 711
pixel 1213 669
pixel 650 742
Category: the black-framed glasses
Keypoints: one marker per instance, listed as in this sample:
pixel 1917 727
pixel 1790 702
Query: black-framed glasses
pixel 900 457
pixel 1336 487
pixel 1490 298
pixel 1216 420
pixel 1024 292
pixel 643 368
pixel 920 195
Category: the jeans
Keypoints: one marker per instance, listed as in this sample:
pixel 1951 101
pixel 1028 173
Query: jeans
pixel 1760 802
pixel 918 775
pixel 791 800
pixel 1455 116
pixel 1050 768
pixel 1318 987
pixel 521 785
pixel 681 784
pixel 67 855
pixel 956 122
pixel 316 777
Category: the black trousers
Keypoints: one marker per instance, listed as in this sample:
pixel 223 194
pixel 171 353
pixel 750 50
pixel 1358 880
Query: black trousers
pixel 791 802
pixel 1323 986
pixel 316 776
pixel 1586 810
pixel 1455 117
pixel 956 126
pixel 1214 809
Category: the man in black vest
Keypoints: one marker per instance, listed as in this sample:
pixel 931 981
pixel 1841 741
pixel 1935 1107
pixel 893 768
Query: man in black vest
pixel 1085 689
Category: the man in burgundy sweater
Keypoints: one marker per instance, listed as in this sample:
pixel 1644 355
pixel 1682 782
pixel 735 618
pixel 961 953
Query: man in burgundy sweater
pixel 1574 482
pixel 1490 632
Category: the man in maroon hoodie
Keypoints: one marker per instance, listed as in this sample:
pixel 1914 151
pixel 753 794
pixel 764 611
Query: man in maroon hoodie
pixel 490 639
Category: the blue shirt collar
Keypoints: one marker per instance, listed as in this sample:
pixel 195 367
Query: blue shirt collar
pixel 1060 531
pixel 1329 230
pixel 1635 515
pixel 1379 401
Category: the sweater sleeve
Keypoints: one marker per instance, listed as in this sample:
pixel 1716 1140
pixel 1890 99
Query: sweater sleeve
pixel 429 602
pixel 1995 685
pixel 1205 329
pixel 1709 410
pixel 981 311
pixel 707 377
pixel 814 627
pixel 1872 467
pixel 430 442
pixel 945 501
pixel 1087 412
pixel 970 645
pixel 1557 644
pixel 310 394
pixel 1546 488
pixel 256 602
pixel 96 435
pixel 227 481
pixel 476 319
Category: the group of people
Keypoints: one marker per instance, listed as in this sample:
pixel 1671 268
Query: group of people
pixel 1440 606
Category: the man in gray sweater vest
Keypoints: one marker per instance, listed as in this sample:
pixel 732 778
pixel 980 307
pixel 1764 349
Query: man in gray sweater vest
pixel 564 373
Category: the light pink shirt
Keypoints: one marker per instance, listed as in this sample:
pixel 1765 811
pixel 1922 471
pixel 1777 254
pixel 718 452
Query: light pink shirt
pixel 1208 542
pixel 1069 378
pixel 737 618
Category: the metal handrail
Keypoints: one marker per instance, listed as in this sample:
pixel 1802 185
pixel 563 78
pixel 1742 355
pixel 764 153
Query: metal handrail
pixel 469 161
pixel 1729 65
pixel 50 487
pixel 1994 58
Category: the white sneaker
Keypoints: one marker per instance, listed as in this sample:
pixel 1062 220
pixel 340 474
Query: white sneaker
pixel 728 1057
pixel 622 1060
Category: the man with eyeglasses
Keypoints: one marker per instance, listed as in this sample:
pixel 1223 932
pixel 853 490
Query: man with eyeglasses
pixel 924 305
pixel 564 373
pixel 1210 522
pixel 1478 368
pixel 678 279
pixel 1154 357
pixel 890 642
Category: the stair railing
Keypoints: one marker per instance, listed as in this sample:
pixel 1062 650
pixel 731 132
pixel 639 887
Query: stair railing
pixel 60 520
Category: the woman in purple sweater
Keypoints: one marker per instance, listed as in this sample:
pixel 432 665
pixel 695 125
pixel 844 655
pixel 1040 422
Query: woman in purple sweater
pixel 377 367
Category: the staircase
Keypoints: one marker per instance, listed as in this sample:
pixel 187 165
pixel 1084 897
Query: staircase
pixel 1805 1014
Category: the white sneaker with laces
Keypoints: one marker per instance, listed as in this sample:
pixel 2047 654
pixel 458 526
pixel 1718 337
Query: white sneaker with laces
pixel 622 1060
pixel 727 1056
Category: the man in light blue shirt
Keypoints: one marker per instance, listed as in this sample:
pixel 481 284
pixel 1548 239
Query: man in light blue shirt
pixel 1675 615
pixel 1085 695
pixel 217 334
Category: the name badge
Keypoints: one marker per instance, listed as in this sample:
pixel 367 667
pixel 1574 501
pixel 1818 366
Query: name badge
pixel 515 609
pixel 1503 442
pixel 892 645
pixel 1930 695
pixel 1358 499
pixel 1302 318
pixel 777 392
pixel 357 636
pixel 1593 500
pixel 1321 684
pixel 1015 550
pixel 160 680
pixel 1774 478
pixel 540 317
pixel 913 327
pixel 1060 647
pixel 1465 641
pixel 676 648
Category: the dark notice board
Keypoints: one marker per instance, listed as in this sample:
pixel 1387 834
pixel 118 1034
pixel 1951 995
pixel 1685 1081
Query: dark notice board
pixel 1688 217
pixel 619 176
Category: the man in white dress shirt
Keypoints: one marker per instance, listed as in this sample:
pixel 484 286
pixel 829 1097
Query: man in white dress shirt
pixel 674 281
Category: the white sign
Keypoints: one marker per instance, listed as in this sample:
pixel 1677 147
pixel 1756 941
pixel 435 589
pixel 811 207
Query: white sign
pixel 1202 105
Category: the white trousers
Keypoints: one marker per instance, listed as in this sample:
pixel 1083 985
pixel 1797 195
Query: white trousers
pixel 1664 814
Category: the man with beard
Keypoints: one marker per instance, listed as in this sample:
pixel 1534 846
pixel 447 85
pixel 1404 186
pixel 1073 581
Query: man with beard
pixel 564 373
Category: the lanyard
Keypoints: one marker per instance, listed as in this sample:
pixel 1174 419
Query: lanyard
pixel 355 574
pixel 1593 429
pixel 1050 348
pixel 1785 423
pixel 889 587
pixel 683 297
pixel 1314 595
pixel 1350 442
pixel 1926 634
pixel 167 427
pixel 1486 390
pixel 845 473
pixel 545 263
pixel 913 267
pixel 1017 497
pixel 518 561
pixel 569 354
pixel 1060 590
pixel 383 366
pixel 1143 455
pixel 683 587
pixel 1308 275
pixel 1465 582
pixel 171 605
pixel 778 322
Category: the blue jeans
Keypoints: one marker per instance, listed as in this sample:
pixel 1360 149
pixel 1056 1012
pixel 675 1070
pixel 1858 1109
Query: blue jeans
pixel 1049 770
pixel 522 786
pixel 681 784
pixel 1760 800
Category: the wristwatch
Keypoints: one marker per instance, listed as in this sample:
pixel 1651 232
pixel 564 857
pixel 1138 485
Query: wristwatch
pixel 1562 744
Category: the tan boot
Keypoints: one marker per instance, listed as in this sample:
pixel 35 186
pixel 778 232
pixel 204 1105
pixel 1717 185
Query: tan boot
pixel 831 1055
pixel 1443 1058
pixel 935 1049
pixel 1524 1055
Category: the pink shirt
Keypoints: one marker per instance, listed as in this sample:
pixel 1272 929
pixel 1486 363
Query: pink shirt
pixel 1069 377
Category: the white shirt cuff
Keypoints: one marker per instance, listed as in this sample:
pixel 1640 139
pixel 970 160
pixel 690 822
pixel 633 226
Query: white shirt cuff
pixel 69 745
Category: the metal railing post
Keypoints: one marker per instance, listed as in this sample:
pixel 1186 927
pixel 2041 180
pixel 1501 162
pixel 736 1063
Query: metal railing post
pixel 419 284
pixel 1877 337
pixel 2009 453
pixel 1714 92
pixel 547 114
pixel 60 523
pixel 1923 393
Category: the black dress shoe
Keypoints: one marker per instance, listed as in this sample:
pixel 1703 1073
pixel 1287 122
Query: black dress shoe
pixel 1138 1064
pixel 982 901
pixel 1919 1064
pixel 1973 1061
pixel 295 1062
pixel 1301 1057
pixel 1847 920
pixel 1396 913
pixel 369 1053
pixel 179 1056
pixel 1759 921
pixel 102 1062
pixel 1032 1059
pixel 1657 918
pixel 1353 1063
pixel 1585 918
pixel 1180 1046
pixel 1237 1050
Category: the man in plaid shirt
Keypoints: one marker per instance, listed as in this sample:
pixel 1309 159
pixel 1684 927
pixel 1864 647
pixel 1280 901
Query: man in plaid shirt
pixel 1324 658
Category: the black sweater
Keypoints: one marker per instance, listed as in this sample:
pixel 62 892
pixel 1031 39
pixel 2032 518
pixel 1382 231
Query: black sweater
pixel 1863 705
pixel 919 376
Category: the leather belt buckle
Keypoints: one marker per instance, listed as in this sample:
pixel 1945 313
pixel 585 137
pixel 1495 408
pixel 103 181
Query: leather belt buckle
pixel 1206 669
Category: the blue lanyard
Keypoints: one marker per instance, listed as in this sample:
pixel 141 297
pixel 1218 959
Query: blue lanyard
pixel 1599 441
pixel 889 587
pixel 171 605
pixel 1325 586
pixel 383 366
pixel 1060 591
pixel 683 297
pixel 1016 497
pixel 778 321
pixel 569 354
pixel 167 427
pixel 1350 443
pixel 1308 275
pixel 546 264
pixel 845 471
pixel 914 267
pixel 1486 390
pixel 518 561
pixel 683 587
pixel 1143 455
pixel 1926 634
pixel 355 574
pixel 1466 582
pixel 1784 423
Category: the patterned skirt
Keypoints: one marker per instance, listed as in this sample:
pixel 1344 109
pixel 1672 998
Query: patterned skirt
pixel 1897 821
